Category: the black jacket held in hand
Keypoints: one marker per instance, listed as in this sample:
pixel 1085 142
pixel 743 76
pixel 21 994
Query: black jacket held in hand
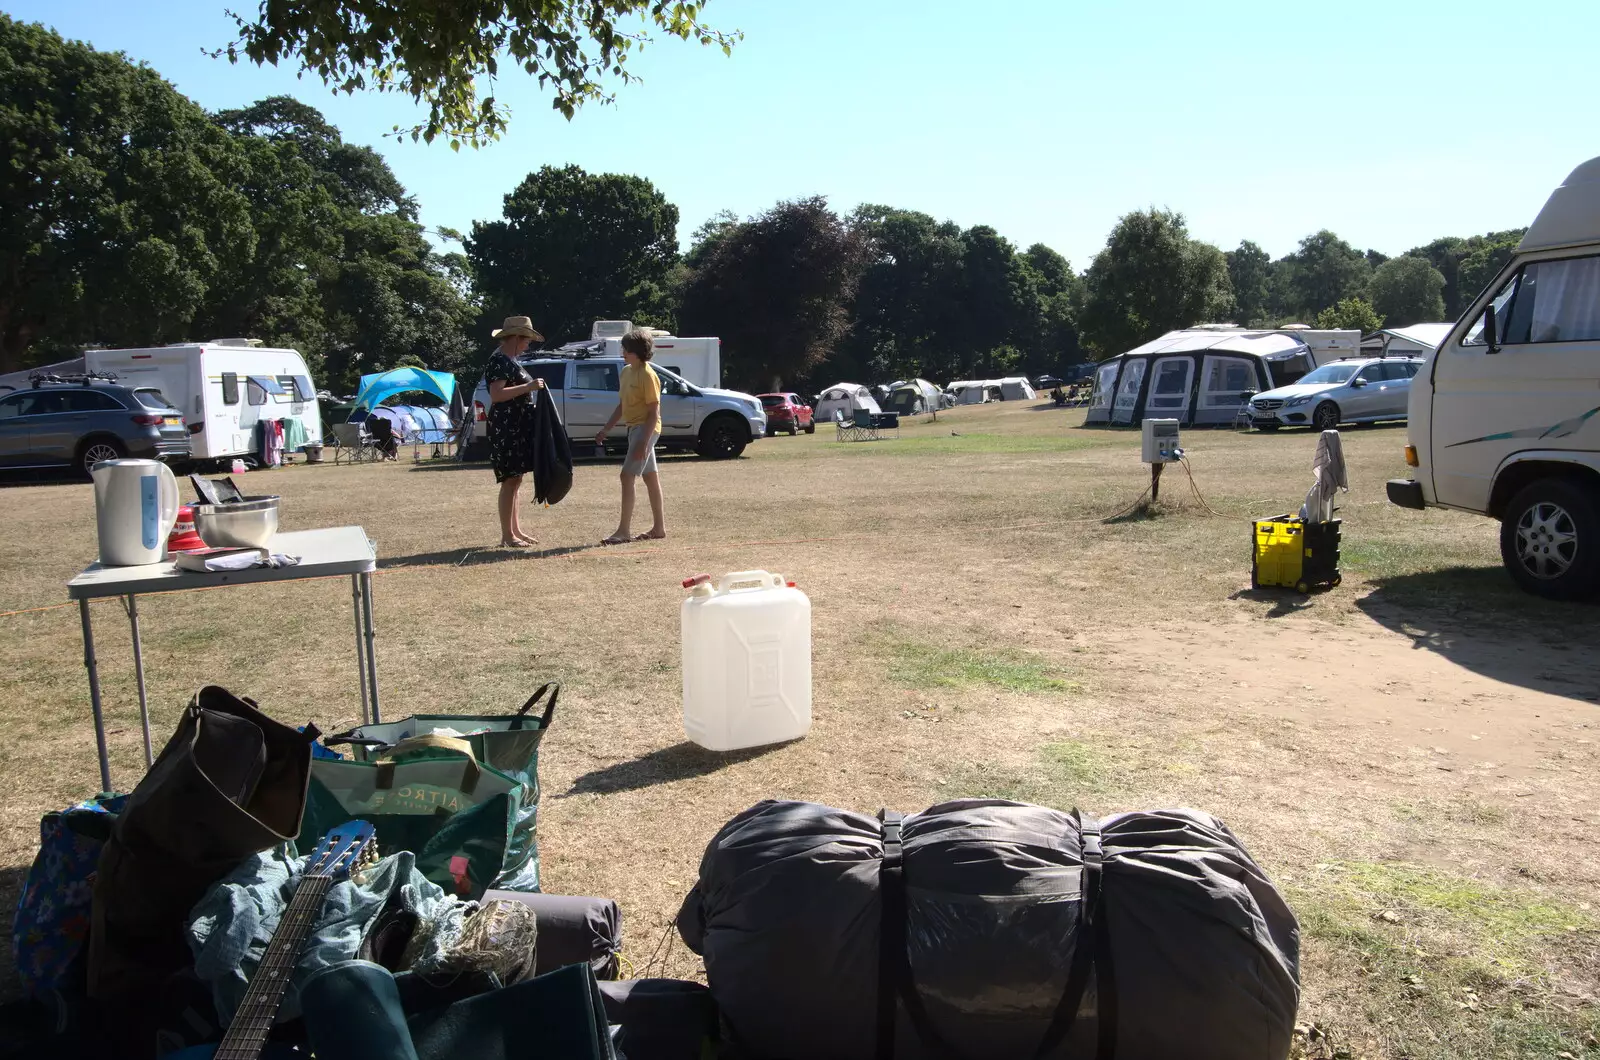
pixel 552 456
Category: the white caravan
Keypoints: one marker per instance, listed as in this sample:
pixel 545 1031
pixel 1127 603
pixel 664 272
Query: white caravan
pixel 699 360
pixel 224 389
pixel 1503 414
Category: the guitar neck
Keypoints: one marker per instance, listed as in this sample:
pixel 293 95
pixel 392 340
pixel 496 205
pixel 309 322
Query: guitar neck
pixel 252 1021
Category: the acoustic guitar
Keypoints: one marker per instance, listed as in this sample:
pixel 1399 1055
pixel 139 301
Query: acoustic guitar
pixel 346 849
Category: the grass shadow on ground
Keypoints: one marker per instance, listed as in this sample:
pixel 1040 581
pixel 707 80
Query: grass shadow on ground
pixel 1477 618
pixel 679 762
pixel 472 557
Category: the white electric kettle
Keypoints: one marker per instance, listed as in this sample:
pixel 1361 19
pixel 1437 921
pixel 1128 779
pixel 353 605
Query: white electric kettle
pixel 136 505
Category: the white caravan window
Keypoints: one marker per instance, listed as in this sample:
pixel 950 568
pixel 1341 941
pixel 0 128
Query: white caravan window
pixel 230 388
pixel 1225 381
pixel 1128 389
pixel 1105 377
pixel 1170 387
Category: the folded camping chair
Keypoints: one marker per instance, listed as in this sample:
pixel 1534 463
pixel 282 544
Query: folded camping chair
pixel 352 443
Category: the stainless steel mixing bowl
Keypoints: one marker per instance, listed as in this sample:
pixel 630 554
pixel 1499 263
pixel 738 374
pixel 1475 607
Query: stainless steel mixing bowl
pixel 250 522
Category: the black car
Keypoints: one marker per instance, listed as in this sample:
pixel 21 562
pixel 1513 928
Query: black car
pixel 77 422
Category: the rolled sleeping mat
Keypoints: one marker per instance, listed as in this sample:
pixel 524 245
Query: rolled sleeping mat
pixel 572 930
pixel 661 1019
pixel 352 1011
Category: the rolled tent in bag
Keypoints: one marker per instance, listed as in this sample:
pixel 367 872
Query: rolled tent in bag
pixel 1189 950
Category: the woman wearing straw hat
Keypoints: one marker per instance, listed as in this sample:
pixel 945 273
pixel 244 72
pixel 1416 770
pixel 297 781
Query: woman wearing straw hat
pixel 511 422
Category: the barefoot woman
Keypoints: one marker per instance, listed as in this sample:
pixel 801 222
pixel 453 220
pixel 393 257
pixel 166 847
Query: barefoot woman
pixel 511 422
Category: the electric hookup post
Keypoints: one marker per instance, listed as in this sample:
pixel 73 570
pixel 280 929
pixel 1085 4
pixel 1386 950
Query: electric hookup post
pixel 1160 448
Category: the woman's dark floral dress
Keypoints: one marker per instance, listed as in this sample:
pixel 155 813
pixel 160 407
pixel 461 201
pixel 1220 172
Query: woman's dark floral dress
pixel 510 422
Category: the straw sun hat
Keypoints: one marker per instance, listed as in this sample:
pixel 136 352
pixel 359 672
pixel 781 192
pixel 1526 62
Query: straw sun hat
pixel 517 326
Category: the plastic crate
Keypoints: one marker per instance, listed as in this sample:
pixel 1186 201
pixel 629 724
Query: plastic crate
pixel 1295 554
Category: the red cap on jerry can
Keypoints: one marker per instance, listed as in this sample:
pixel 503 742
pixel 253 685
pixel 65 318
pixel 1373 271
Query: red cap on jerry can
pixel 695 579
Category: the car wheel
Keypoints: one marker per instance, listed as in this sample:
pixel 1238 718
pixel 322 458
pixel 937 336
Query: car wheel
pixel 1550 540
pixel 97 449
pixel 722 438
pixel 811 428
pixel 1326 418
pixel 793 430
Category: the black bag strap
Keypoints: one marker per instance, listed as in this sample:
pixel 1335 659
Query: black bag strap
pixel 554 688
pixel 1091 955
pixel 891 930
pixel 896 984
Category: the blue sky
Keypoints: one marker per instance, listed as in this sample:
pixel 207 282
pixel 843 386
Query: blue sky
pixel 1389 122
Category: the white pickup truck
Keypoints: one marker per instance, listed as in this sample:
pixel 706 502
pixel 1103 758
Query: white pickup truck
pixel 711 421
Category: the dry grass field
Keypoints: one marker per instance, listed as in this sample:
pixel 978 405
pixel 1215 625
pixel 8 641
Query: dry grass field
pixel 1412 756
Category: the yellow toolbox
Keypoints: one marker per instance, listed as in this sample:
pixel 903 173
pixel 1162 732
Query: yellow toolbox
pixel 1290 553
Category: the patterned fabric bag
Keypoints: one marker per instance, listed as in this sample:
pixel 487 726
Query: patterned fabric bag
pixel 51 927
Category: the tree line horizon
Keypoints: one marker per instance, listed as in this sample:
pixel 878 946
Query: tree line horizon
pixel 133 217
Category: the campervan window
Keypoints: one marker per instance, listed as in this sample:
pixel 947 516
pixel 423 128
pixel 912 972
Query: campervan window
pixel 230 388
pixel 1550 301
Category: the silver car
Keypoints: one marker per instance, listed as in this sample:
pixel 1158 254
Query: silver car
pixel 1353 391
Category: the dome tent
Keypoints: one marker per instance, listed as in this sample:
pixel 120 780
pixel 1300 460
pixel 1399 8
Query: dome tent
pixel 846 398
pixel 914 396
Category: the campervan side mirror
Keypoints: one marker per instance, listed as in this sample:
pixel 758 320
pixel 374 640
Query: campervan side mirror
pixel 1491 332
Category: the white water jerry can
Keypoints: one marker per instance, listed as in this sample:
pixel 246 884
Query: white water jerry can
pixel 746 661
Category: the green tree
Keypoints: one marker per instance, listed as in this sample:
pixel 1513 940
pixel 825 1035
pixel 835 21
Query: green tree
pixel 443 55
pixel 1407 290
pixel 1054 345
pixel 1350 313
pixel 1250 273
pixel 1482 264
pixel 1324 271
pixel 907 298
pixel 1151 278
pixel 116 213
pixel 573 247
pixel 342 269
pixel 777 290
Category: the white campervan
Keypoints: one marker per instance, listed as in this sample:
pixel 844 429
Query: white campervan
pixel 1503 413
pixel 224 389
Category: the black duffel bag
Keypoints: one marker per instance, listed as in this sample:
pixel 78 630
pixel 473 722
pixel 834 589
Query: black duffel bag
pixel 990 929
pixel 230 781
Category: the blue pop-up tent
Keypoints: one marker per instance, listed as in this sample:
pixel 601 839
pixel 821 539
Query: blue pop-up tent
pixel 380 385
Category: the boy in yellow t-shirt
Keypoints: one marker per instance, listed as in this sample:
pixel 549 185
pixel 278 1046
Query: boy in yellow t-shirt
pixel 640 409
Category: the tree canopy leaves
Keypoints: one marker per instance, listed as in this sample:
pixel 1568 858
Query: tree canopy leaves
pixel 1150 279
pixel 116 209
pixel 572 247
pixel 1407 290
pixel 442 54
pixel 776 289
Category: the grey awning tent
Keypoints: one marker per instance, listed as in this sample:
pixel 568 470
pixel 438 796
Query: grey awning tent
pixel 1198 376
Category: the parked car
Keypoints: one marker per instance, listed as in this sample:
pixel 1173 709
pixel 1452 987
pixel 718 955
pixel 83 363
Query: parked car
pixel 788 412
pixel 77 423
pixel 710 421
pixel 1353 391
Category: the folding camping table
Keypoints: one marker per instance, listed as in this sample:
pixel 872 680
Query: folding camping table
pixel 323 553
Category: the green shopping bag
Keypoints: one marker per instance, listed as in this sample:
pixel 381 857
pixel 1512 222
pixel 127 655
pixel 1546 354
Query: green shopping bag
pixel 429 795
pixel 508 743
